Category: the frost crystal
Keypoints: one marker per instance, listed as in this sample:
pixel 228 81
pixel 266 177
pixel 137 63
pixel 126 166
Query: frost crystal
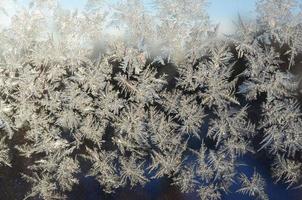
pixel 164 97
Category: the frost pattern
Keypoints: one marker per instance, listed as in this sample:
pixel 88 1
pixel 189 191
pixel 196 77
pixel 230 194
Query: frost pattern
pixel 129 105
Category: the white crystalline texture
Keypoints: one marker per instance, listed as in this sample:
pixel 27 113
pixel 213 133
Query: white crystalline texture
pixel 166 97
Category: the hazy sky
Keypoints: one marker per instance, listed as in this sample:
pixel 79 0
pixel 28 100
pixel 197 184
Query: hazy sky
pixel 226 11
pixel 220 11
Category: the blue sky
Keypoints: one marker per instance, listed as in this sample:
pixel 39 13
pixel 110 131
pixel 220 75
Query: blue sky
pixel 217 9
pixel 226 11
pixel 220 11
